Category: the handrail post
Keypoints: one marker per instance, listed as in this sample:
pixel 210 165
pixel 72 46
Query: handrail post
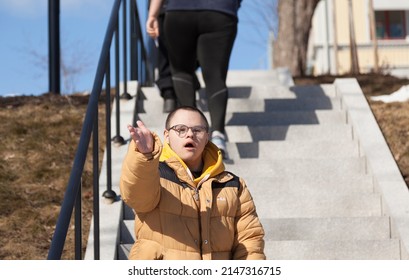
pixel 54 68
pixel 125 94
pixel 118 139
pixel 109 193
pixel 133 42
pixel 138 44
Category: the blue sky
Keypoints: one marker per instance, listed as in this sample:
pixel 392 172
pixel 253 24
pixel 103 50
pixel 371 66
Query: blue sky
pixel 24 41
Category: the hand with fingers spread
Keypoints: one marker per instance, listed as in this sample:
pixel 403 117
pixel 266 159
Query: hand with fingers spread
pixel 142 136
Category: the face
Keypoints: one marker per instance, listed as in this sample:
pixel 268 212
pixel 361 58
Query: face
pixel 190 146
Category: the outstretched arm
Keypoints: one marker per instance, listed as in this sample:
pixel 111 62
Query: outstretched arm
pixel 139 183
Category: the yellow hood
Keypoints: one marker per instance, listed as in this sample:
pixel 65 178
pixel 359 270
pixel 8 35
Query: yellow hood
pixel 212 158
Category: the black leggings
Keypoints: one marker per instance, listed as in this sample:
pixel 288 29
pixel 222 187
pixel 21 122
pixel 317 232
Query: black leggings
pixel 164 82
pixel 206 37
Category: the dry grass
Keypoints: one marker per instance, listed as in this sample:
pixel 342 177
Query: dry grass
pixel 39 140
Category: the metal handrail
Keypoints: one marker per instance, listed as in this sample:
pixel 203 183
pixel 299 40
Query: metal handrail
pixel 72 196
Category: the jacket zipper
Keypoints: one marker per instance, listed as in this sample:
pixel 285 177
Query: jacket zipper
pixel 196 194
pixel 196 198
pixel 196 191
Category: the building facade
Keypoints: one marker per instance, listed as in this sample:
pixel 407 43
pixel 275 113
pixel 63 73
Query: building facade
pixel 333 34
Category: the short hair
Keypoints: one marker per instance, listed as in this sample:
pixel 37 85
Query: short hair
pixel 186 108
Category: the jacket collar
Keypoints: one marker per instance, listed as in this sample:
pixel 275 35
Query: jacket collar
pixel 212 159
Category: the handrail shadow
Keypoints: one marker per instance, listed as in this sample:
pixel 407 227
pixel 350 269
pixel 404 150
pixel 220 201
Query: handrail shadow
pixel 272 122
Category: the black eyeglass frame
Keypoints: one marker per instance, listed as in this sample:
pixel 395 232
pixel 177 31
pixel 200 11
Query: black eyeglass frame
pixel 196 130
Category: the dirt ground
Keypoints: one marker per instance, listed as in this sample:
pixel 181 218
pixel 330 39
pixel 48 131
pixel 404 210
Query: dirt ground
pixel 39 137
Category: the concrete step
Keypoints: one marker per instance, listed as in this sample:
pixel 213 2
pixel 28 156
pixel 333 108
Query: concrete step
pixel 333 250
pixel 127 231
pixel 131 87
pixel 285 118
pixel 332 228
pixel 150 94
pixel 273 92
pixel 316 205
pixel 123 250
pixel 263 97
pixel 261 91
pixel 253 119
pixel 344 228
pixel 307 169
pixel 290 104
pixel 128 213
pixel 314 90
pixel 260 98
pixel 256 105
pixel 248 134
pixel 320 250
pixel 353 183
pixel 301 133
pixel 293 149
pixel 267 91
pixel 255 77
pixel 314 239
pixel 155 122
pixel 252 136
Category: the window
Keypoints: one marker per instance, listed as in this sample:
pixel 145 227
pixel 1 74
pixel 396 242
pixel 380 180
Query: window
pixel 390 24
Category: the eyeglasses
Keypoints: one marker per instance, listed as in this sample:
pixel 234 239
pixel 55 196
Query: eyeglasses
pixel 181 130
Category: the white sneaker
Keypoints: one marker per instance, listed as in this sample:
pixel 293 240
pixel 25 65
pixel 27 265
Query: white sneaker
pixel 219 140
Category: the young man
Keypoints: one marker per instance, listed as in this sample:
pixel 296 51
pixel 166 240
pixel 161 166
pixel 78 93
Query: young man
pixel 187 206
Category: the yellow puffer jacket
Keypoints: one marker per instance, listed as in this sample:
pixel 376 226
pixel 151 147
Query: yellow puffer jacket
pixel 212 217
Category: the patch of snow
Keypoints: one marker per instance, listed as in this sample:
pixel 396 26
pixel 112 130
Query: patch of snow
pixel 400 95
pixel 11 94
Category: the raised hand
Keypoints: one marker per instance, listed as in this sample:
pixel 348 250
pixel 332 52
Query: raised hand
pixel 142 136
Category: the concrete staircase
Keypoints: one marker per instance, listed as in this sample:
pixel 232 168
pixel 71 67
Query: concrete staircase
pixel 305 155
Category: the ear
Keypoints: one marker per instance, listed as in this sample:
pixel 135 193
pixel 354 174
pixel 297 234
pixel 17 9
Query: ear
pixel 166 136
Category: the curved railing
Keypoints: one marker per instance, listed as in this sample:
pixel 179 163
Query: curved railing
pixel 142 71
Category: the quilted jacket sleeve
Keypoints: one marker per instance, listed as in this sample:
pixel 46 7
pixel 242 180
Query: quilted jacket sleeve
pixel 249 235
pixel 139 182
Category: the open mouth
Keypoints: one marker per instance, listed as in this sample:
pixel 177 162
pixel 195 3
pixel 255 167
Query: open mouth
pixel 189 145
